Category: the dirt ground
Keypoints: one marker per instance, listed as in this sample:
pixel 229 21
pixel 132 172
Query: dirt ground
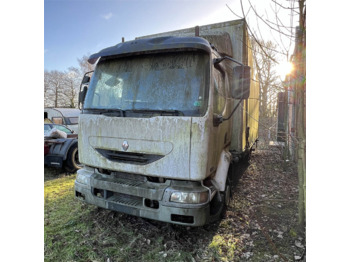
pixel 260 223
pixel 266 198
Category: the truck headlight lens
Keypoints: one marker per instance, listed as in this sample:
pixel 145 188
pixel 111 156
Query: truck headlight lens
pixel 189 198
pixel 83 177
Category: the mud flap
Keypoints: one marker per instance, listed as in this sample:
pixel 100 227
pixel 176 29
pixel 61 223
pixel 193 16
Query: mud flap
pixel 53 161
pixel 222 171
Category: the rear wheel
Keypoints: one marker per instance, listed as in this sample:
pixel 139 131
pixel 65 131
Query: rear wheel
pixel 72 163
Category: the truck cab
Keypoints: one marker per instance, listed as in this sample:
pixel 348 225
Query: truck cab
pixel 156 128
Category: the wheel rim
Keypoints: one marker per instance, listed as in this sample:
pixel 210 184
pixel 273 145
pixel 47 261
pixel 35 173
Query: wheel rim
pixel 76 159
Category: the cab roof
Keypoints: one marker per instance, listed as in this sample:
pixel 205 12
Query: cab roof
pixel 152 45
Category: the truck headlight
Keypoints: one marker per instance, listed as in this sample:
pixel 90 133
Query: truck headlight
pixel 82 178
pixel 189 198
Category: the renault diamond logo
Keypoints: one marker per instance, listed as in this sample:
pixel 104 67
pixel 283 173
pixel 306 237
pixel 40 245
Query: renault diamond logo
pixel 125 145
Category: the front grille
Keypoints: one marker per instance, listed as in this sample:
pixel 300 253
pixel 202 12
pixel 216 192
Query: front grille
pixel 128 157
pixel 115 197
pixel 126 199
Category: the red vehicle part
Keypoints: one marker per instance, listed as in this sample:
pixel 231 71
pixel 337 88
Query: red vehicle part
pixel 46 149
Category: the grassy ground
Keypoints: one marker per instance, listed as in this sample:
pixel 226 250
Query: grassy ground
pixel 260 223
pixel 78 232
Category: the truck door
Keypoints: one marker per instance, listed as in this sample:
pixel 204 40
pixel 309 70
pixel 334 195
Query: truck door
pixel 220 135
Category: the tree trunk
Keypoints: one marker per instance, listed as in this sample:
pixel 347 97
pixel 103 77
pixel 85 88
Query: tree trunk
pixel 301 156
pixel 301 113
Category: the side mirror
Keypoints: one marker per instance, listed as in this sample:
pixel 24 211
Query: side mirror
pixel 86 80
pixel 83 89
pixel 217 120
pixel 241 82
pixel 82 95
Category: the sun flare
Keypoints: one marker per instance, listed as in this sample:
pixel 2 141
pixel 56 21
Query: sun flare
pixel 284 69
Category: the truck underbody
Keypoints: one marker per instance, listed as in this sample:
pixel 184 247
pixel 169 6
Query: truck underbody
pixel 136 195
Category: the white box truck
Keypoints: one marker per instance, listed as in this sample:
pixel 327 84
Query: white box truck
pixel 63 116
pixel 163 118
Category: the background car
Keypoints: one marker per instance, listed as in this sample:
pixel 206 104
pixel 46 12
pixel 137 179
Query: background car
pixel 62 152
pixel 49 127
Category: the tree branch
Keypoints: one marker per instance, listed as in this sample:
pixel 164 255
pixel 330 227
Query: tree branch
pixel 272 28
pixel 293 9
pixel 254 35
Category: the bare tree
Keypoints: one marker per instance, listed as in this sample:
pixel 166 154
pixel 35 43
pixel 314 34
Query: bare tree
pixel 53 87
pixel 269 81
pixel 84 65
pixel 285 36
pixel 61 88
pixel 48 98
pixel 71 87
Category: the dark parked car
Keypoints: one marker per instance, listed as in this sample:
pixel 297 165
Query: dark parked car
pixel 61 152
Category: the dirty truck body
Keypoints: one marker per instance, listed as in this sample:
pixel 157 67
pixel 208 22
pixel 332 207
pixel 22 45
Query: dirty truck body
pixel 157 134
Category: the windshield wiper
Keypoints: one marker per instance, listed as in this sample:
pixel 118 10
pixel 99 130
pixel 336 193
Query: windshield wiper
pixel 107 111
pixel 160 111
pixel 120 112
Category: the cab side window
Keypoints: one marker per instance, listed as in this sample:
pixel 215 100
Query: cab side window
pixel 219 92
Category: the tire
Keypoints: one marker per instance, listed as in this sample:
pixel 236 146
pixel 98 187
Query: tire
pixel 218 207
pixel 72 163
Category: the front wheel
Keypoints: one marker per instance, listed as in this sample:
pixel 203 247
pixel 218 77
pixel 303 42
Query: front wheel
pixel 220 202
pixel 72 162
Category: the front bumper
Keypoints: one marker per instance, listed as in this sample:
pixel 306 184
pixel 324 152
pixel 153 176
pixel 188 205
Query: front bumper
pixel 141 198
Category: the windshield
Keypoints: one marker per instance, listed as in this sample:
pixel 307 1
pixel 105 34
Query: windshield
pixel 172 81
pixel 49 127
pixel 73 120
